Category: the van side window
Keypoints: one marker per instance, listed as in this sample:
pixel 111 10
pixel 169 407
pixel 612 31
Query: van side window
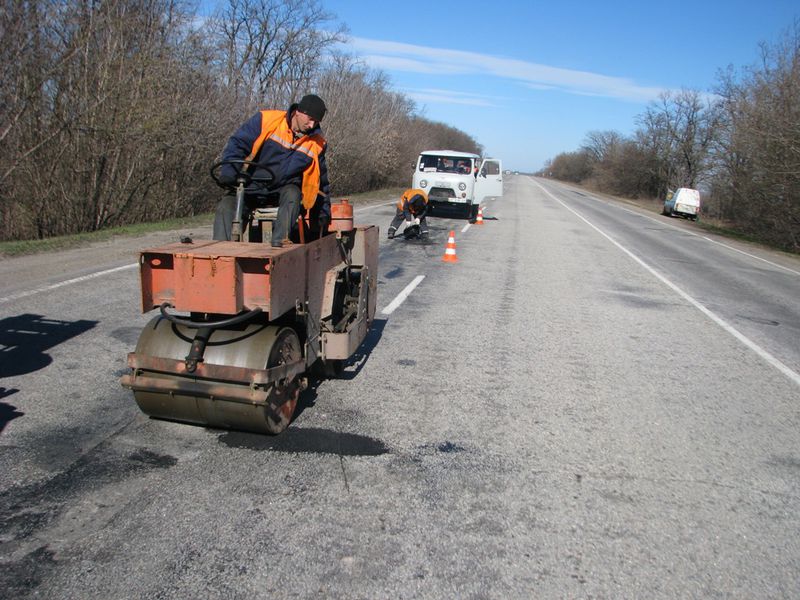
pixel 492 168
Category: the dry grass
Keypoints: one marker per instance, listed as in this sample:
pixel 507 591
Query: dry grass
pixel 23 247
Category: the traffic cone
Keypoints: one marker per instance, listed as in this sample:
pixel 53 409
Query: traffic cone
pixel 479 218
pixel 450 250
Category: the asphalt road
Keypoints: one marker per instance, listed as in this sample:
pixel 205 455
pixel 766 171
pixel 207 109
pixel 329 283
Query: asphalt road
pixel 593 401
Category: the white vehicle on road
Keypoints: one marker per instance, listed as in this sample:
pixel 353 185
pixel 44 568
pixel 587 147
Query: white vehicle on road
pixel 457 180
pixel 685 203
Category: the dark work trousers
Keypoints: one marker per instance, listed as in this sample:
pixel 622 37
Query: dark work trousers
pixel 288 210
pixel 398 219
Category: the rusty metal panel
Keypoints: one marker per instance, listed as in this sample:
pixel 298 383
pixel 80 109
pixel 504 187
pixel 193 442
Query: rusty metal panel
pixel 155 273
pixel 343 345
pixel 365 249
pixel 220 373
pixel 323 255
pixel 365 253
pixel 223 277
pixel 211 284
pixel 329 292
pixel 198 389
pixel 287 280
pixel 336 346
pixel 256 284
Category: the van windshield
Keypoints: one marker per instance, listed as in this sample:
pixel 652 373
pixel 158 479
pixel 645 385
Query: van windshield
pixel 446 164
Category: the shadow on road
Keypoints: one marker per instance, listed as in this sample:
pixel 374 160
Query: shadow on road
pixel 25 338
pixel 350 369
pixel 8 412
pixel 359 358
pixel 311 440
pixel 317 440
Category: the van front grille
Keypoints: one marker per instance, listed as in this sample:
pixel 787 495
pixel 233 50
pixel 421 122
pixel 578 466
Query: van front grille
pixel 441 193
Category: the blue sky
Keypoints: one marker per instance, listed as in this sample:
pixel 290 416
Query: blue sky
pixel 530 79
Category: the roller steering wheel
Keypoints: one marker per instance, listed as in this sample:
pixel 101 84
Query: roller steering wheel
pixel 260 181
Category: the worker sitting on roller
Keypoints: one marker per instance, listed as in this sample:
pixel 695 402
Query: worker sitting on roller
pixel 290 145
pixel 411 208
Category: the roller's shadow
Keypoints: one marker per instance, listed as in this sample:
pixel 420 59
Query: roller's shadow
pixel 351 368
pixel 25 338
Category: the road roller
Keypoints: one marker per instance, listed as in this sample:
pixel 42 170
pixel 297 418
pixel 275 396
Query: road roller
pixel 241 325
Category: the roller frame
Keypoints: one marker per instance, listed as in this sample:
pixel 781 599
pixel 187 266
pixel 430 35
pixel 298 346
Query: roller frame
pixel 295 287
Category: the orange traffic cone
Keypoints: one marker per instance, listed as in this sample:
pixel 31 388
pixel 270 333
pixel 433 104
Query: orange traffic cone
pixel 450 250
pixel 479 218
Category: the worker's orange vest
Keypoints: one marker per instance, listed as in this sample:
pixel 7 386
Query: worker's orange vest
pixel 275 127
pixel 408 195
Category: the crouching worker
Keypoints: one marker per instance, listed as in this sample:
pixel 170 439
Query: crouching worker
pixel 290 144
pixel 411 208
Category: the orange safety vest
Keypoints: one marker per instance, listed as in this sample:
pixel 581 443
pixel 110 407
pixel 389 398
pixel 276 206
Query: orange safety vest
pixel 275 127
pixel 408 195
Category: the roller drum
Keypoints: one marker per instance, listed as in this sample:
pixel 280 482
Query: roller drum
pixel 220 403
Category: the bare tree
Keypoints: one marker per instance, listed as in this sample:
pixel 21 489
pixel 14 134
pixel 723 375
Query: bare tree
pixel 112 112
pixel 109 109
pixel 743 144
pixel 374 133
pixel 366 126
pixel 758 185
pixel 571 166
pixel 679 130
pixel 272 48
pixel 601 144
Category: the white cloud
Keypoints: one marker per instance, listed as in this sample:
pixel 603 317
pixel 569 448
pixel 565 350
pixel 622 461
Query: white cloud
pixel 397 63
pixel 448 97
pixel 424 59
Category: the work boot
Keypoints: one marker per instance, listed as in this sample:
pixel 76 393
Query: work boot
pixel 391 233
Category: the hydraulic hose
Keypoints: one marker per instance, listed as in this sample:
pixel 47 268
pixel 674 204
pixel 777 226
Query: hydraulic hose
pixel 240 318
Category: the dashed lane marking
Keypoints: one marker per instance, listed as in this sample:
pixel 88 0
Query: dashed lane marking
pixel 54 286
pixel 400 298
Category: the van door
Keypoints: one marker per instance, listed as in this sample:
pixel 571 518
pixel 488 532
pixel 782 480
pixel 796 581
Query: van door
pixel 490 179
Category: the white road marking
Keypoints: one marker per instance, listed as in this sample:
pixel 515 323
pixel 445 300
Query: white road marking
pixel 769 358
pixel 464 229
pixel 682 230
pixel 54 286
pixel 374 206
pixel 400 298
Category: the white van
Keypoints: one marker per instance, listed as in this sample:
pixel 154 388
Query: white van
pixel 684 202
pixel 457 180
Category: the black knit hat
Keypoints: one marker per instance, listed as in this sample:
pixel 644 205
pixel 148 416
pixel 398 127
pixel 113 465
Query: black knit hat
pixel 313 106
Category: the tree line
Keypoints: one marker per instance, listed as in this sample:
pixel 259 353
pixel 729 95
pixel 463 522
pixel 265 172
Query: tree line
pixel 739 145
pixel 113 111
